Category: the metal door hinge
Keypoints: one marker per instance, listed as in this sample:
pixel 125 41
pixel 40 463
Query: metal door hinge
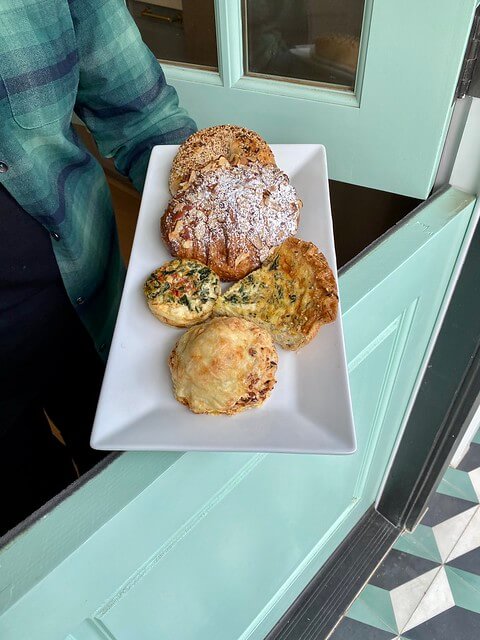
pixel 469 82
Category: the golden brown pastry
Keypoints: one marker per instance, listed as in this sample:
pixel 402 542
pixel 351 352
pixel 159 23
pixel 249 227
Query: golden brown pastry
pixel 223 366
pixel 292 295
pixel 182 292
pixel 338 49
pixel 236 144
pixel 231 218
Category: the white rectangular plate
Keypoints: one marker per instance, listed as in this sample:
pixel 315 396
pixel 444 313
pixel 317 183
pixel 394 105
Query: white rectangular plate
pixel 309 409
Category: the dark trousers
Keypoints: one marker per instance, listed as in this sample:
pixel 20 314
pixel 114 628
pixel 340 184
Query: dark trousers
pixel 48 365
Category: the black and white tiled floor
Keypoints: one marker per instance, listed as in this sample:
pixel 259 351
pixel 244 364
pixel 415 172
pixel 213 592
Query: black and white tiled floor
pixel 428 586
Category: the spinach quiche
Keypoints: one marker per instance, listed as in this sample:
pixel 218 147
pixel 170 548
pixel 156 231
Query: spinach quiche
pixel 182 292
pixel 292 295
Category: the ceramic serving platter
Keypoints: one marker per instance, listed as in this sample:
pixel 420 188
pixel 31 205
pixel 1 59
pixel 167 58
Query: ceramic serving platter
pixel 309 410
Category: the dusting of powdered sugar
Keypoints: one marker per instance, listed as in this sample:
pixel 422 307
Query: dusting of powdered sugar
pixel 247 209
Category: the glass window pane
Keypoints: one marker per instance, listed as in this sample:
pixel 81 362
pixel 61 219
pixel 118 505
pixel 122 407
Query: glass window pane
pixel 180 31
pixel 309 40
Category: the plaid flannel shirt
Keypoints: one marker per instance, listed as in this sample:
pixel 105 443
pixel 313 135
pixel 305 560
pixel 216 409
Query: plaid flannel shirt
pixel 87 56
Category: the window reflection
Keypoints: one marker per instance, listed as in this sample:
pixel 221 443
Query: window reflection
pixel 178 30
pixel 313 40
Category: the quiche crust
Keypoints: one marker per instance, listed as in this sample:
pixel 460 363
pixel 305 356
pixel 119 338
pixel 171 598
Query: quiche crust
pixel 292 295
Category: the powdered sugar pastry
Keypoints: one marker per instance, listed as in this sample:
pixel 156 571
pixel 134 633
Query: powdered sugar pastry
pixel 232 218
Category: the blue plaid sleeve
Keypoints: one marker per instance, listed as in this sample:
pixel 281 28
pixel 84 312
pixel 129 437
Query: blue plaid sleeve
pixel 123 97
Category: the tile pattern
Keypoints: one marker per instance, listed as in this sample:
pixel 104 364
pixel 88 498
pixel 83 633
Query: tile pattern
pixel 428 586
pixel 350 629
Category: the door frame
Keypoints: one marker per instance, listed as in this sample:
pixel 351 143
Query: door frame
pixel 389 133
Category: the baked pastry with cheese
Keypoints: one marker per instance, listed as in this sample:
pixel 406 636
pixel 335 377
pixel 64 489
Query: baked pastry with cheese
pixel 292 295
pixel 182 292
pixel 231 218
pixel 236 144
pixel 223 366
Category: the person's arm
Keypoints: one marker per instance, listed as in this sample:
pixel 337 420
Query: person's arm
pixel 123 97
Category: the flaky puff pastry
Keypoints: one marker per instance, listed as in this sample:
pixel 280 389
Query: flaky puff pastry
pixel 223 366
pixel 231 218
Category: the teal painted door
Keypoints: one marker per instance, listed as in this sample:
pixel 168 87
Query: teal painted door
pixel 200 546
pixel 388 132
